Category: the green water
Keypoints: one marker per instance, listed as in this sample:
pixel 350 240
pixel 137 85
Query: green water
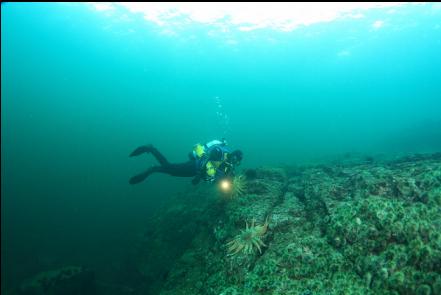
pixel 82 88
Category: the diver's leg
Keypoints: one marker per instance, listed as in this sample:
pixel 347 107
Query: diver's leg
pixel 187 169
pixel 160 157
pixel 150 149
pixel 142 176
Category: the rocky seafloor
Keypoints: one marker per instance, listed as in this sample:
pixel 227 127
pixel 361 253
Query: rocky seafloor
pixel 353 226
pixel 348 227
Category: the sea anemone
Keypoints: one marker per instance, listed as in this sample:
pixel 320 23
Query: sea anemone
pixel 249 238
pixel 239 186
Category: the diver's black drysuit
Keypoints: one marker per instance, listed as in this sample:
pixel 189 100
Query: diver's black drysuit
pixel 186 169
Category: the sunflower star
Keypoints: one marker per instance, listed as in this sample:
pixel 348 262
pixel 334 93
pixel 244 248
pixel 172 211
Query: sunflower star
pixel 249 237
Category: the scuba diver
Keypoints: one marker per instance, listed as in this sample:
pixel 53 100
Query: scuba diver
pixel 211 162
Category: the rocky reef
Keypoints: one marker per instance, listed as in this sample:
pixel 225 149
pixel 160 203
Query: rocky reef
pixel 348 227
pixel 356 225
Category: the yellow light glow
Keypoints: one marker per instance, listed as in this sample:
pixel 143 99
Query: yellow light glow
pixel 225 185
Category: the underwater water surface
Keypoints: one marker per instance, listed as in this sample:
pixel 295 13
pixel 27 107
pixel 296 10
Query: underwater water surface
pixel 84 84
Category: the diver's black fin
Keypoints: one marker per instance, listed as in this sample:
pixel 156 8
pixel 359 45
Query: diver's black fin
pixel 140 177
pixel 142 149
